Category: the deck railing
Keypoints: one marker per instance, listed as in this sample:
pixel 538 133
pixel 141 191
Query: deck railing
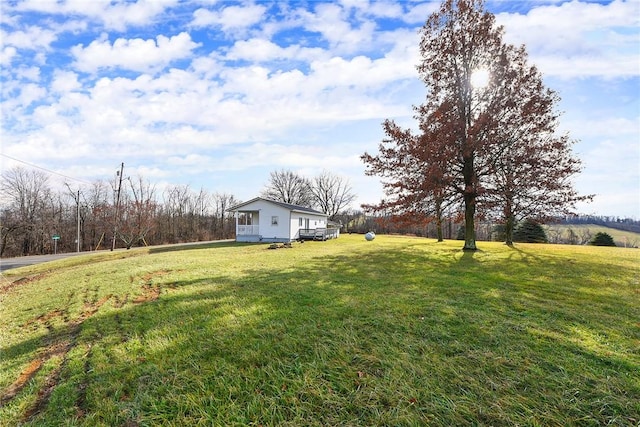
pixel 248 230
pixel 318 233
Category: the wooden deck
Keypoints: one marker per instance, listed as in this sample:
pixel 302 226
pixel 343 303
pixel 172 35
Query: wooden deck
pixel 318 234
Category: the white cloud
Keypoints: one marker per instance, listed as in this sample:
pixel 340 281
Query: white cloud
pixel 133 54
pixel 230 19
pixel 331 21
pixel 262 50
pixel 362 71
pixel 289 156
pixel 65 81
pixel 605 127
pixel 30 93
pixel 579 39
pixel 32 38
pixel 120 15
pixel 385 9
pixel 113 15
pixel 419 13
pixel 27 73
pixel 7 54
pixel 611 172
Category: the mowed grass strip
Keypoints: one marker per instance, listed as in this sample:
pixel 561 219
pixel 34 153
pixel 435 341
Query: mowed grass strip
pixel 398 331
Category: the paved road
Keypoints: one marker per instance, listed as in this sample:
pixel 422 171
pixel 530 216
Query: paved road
pixel 8 263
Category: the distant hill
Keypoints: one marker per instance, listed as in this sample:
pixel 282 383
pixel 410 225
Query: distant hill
pixel 581 234
pixel 624 224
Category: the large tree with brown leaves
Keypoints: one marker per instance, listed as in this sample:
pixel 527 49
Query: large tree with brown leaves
pixel 478 141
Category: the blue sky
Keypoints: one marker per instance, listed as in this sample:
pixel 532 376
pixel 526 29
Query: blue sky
pixel 217 94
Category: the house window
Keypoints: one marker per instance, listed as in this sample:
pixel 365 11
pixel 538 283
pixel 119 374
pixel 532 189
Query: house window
pixel 245 218
pixel 274 220
pixel 300 222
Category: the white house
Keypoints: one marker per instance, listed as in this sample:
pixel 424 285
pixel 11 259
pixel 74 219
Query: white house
pixel 264 220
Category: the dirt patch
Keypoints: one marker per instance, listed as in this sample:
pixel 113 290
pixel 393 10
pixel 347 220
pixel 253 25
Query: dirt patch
pixel 150 276
pixel 22 380
pixel 91 308
pixel 21 281
pixel 43 394
pixel 149 293
pixel 46 318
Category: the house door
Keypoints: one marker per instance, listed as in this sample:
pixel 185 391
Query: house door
pixel 306 223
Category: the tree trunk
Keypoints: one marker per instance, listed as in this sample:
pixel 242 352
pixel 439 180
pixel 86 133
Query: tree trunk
pixel 508 230
pixel 468 172
pixel 439 220
pixel 469 223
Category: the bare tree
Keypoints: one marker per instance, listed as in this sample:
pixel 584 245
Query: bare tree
pixel 99 214
pixel 9 226
pixel 201 209
pixel 139 213
pixel 30 213
pixel 176 208
pixel 289 187
pixel 331 193
pixel 225 225
pixel 24 194
pixel 585 236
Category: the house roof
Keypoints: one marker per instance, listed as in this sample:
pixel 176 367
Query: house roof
pixel 288 206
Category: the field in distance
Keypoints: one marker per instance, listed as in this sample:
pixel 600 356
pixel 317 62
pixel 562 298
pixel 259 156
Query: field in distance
pixel 582 234
pixel 396 331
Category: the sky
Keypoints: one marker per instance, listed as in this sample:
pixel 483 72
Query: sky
pixel 216 95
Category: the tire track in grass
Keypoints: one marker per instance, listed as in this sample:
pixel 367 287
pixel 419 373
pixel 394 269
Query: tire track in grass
pixel 57 344
pixel 70 335
pixel 6 288
pixel 81 400
pixel 150 292
pixel 22 380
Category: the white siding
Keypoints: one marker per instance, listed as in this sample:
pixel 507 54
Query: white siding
pixel 267 212
pixel 315 221
pixel 270 231
pixel 285 229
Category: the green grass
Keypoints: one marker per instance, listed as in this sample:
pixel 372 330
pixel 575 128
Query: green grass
pixel 398 331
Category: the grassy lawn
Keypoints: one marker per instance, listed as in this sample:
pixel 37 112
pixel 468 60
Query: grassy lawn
pixel 395 332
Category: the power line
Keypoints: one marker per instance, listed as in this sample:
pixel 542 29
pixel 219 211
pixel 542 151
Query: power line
pixel 45 169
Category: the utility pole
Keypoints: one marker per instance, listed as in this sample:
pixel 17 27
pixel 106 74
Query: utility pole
pixel 78 223
pixel 115 220
pixel 76 197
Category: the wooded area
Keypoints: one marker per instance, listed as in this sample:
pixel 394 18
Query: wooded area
pixel 33 213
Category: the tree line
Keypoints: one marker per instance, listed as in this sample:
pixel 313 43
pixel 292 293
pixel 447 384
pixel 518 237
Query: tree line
pixel 619 223
pixel 33 213
pixel 127 212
